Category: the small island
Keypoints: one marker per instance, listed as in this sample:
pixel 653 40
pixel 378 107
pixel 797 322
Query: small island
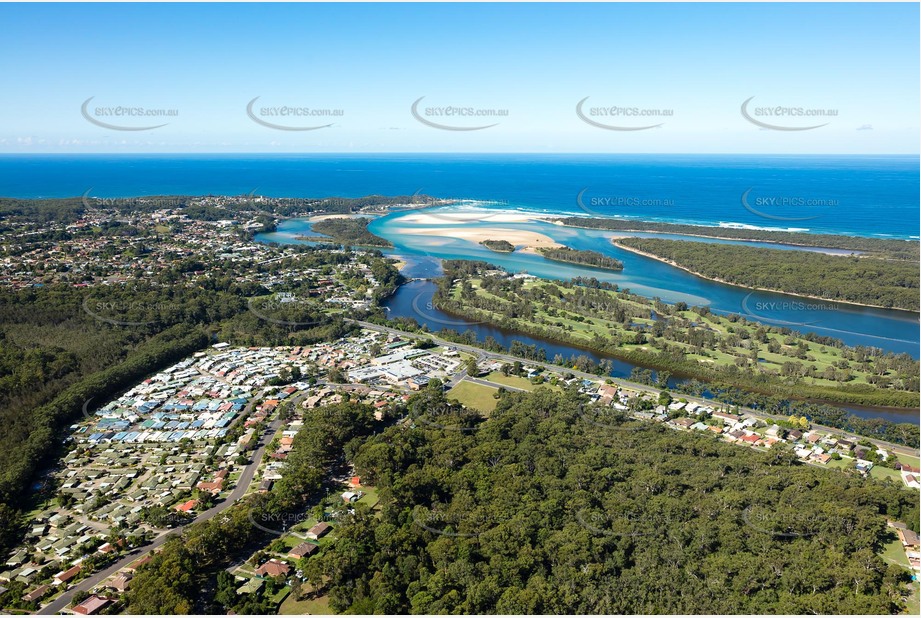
pixel 502 246
pixel 585 258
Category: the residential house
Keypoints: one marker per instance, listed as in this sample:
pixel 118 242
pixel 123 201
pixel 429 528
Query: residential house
pixel 909 538
pixel 37 595
pixel 92 605
pixel 121 582
pixel 65 576
pixel 187 506
pixel 726 417
pixel 303 550
pixel 273 568
pixel 318 531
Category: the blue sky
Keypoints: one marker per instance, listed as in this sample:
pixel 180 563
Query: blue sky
pixel 535 61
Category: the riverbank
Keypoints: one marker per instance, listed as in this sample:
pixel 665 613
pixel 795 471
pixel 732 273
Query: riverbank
pixel 900 249
pixel 672 263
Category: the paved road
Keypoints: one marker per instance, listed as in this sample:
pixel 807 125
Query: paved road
pixel 246 478
pixel 897 448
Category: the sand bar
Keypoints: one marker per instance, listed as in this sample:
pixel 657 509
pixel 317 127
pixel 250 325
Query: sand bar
pixel 479 234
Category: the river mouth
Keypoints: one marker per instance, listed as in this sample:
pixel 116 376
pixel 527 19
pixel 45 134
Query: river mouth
pixel 891 330
pixel 423 254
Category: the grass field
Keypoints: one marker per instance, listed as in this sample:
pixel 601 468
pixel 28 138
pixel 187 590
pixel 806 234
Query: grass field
pixel 879 472
pixel 308 606
pixel 894 553
pixel 370 498
pixel 518 382
pixel 474 396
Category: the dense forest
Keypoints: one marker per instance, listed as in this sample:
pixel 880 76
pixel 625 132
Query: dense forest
pixel 868 281
pixel 503 246
pixel 879 247
pixel 576 256
pixel 536 511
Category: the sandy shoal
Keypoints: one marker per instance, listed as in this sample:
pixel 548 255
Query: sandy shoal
pixel 479 234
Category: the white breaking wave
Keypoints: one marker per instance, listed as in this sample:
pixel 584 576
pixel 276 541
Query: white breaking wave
pixel 746 226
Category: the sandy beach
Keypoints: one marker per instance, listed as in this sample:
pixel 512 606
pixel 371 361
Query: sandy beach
pixel 516 237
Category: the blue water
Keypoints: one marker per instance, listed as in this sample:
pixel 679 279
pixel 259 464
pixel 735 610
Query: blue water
pixel 414 300
pixel 863 195
pixel 854 195
pixel 896 331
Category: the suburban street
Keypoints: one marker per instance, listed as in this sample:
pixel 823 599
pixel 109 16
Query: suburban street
pixel 246 478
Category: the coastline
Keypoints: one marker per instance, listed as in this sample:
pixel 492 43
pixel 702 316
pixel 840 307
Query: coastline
pixel 626 232
pixel 745 287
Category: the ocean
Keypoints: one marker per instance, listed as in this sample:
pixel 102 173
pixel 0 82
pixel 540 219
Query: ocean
pixel 864 196
pixel 855 195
